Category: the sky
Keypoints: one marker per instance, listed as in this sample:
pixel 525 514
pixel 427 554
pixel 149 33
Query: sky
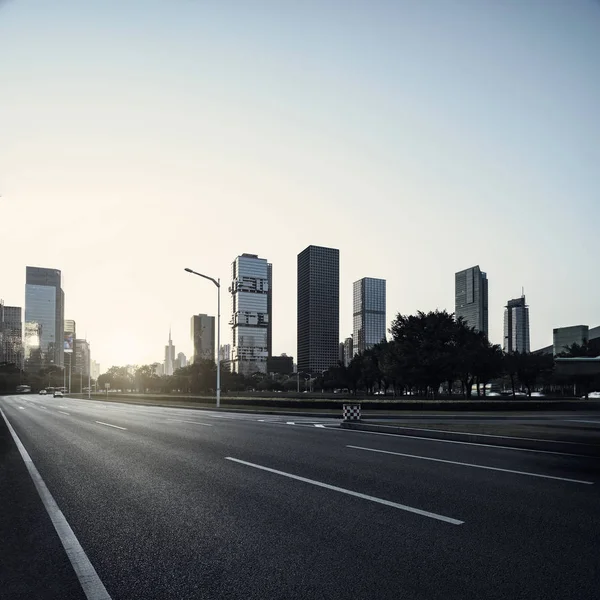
pixel 140 137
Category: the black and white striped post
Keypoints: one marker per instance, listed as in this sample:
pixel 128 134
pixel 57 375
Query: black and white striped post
pixel 351 412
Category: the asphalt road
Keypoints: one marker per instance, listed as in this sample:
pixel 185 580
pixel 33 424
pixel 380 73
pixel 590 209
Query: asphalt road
pixel 173 503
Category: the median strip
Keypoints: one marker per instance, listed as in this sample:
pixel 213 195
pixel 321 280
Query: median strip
pixel 109 425
pixel 462 464
pixel 334 488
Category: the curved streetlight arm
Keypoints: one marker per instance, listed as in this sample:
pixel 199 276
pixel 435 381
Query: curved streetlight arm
pixel 205 276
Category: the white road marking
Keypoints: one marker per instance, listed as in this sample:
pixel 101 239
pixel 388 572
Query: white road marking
pixel 64 413
pixel 416 437
pixel 582 421
pixel 490 435
pixel 320 426
pixel 88 578
pixel 462 464
pixel 261 420
pixel 290 423
pixel 22 407
pixel 43 407
pixel 411 509
pixel 109 425
pixel 195 422
pixel 61 406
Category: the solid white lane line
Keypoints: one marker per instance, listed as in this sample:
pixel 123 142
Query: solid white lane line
pixel 88 578
pixel 462 464
pixel 319 426
pixel 195 422
pixel 109 425
pixel 290 423
pixel 416 437
pixel 490 435
pixel 334 488
pixel 64 413
pixel 22 407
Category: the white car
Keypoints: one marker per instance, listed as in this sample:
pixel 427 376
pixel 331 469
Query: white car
pixel 43 392
pixel 58 394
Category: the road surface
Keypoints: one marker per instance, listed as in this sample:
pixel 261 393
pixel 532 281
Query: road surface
pixel 173 503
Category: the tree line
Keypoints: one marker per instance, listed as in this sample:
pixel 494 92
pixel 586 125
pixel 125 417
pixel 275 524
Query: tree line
pixel 429 355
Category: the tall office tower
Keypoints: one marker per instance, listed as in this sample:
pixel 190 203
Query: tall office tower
pixel 563 337
pixel 69 345
pixel 341 354
pixel 270 309
pixel 368 300
pixel 318 308
pixel 471 298
pixel 11 335
pixel 44 318
pixel 516 326
pixel 181 361
pixel 250 314
pixel 203 337
pixel 348 350
pixel 81 363
pixel 95 370
pixel 169 356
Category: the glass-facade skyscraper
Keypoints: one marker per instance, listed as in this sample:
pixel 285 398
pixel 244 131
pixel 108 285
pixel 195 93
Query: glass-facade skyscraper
pixel 368 301
pixel 249 314
pixel 471 298
pixel 318 308
pixel 44 318
pixel 516 326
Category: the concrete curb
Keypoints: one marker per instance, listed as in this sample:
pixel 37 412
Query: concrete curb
pixel 576 448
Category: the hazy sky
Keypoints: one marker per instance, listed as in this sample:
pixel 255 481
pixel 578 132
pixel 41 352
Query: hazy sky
pixel 138 137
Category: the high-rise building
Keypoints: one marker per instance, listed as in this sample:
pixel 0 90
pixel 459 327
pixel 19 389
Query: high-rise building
pixel 11 335
pixel 44 318
pixel 95 370
pixel 70 345
pixel 249 314
pixel 181 361
pixel 368 300
pixel 270 309
pixel 203 337
pixel 563 337
pixel 471 298
pixel 225 352
pixel 169 356
pixel 516 326
pixel 318 308
pixel 81 364
pixel 348 350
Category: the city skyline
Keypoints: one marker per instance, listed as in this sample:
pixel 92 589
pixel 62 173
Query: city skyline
pixel 271 149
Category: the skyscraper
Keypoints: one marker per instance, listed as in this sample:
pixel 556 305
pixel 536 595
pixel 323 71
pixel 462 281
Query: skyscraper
pixel 203 337
pixel 250 314
pixel 181 361
pixel 270 310
pixel 44 318
pixel 318 308
pixel 348 350
pixel 516 326
pixel 11 335
pixel 471 298
pixel 169 356
pixel 81 364
pixel 368 301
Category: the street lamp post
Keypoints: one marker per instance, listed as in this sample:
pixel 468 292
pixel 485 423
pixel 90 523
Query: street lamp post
pixel 217 282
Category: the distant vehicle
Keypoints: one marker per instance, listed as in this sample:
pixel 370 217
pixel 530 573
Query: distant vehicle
pixel 23 389
pixel 42 392
pixel 58 394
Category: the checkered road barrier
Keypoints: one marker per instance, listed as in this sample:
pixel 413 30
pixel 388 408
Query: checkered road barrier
pixel 351 412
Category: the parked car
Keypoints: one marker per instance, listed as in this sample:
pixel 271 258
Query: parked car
pixel 58 394
pixel 42 392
